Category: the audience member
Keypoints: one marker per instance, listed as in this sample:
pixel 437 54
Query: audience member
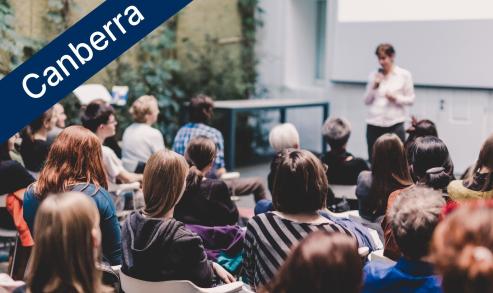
pixel 432 167
pixel 419 128
pixel 14 179
pixel 66 255
pixel 156 247
pixel 479 182
pixel 100 119
pixel 343 167
pixel 59 112
pixel 206 201
pixel 389 172
pixel 299 192
pixel 462 250
pixel 140 140
pixel 201 111
pixel 281 137
pixel 414 217
pixel 74 163
pixel 34 147
pixel 322 262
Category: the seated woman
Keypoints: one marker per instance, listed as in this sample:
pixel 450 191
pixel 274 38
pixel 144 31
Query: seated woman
pixel 34 147
pixel 281 137
pixel 66 255
pixel 462 250
pixel 156 247
pixel 479 182
pixel 322 262
pixel 343 167
pixel 389 172
pixel 421 128
pixel 14 179
pixel 74 163
pixel 299 192
pixel 431 166
pixel 140 140
pixel 99 117
pixel 206 201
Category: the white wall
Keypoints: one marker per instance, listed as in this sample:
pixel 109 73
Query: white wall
pixel 286 49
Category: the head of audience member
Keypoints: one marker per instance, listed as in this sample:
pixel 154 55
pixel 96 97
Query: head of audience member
pixel 462 250
pixel 423 127
pixel 200 155
pixel 164 183
pixel 386 55
pixel 74 157
pixel 431 164
pixel 39 127
pixel 300 185
pixel 145 110
pixel 336 132
pixel 6 147
pixel 99 117
pixel 484 164
pixel 414 216
pixel 322 262
pixel 59 111
pixel 201 109
pixel 66 253
pixel 284 136
pixel 389 171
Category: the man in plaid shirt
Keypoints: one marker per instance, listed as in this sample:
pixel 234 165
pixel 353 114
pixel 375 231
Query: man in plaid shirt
pixel 201 111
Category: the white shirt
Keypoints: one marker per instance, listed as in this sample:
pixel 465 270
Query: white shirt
pixel 112 164
pixel 139 142
pixel 382 112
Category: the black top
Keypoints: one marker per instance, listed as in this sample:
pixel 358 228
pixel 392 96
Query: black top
pixel 207 204
pixel 34 153
pixel 162 250
pixel 13 177
pixel 343 168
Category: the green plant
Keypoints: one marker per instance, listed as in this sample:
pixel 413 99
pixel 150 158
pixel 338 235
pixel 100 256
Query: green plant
pixel 57 18
pixel 14 48
pixel 151 71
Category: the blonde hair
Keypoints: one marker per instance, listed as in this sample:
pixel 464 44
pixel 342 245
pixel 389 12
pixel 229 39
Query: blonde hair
pixel 64 257
pixel 284 136
pixel 142 107
pixel 164 182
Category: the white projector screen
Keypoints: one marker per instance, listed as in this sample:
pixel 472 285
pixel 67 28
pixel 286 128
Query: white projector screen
pixel 442 42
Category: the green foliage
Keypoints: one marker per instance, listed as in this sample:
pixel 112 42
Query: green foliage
pixel 57 17
pixel 14 48
pixel 152 73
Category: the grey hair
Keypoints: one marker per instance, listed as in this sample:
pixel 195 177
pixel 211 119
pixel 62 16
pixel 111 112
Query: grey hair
pixel 284 136
pixel 336 131
pixel 414 216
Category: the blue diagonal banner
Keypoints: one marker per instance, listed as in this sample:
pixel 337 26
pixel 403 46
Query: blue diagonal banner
pixel 76 55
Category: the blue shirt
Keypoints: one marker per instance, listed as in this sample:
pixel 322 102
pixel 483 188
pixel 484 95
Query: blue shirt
pixel 190 130
pixel 406 276
pixel 110 228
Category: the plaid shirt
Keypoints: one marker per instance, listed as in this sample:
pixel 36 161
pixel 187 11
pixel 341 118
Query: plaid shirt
pixel 191 130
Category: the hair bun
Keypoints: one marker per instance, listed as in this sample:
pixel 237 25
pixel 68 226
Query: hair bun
pixel 435 170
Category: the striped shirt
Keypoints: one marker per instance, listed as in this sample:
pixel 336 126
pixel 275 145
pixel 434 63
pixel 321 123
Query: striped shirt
pixel 268 241
pixel 191 130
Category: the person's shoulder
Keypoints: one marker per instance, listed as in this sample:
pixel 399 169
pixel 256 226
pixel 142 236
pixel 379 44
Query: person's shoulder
pixel 376 271
pixel 401 71
pixel 364 177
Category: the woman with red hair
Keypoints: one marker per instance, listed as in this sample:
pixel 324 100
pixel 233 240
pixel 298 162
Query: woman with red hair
pixel 74 163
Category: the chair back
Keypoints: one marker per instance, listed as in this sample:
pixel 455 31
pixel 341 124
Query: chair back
pixel 132 285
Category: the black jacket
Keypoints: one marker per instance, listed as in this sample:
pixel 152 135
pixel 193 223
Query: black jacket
pixel 163 249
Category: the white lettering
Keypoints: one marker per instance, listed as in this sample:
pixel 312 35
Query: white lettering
pixel 75 50
pixel 26 89
pixel 96 38
pixel 136 12
pixel 54 73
